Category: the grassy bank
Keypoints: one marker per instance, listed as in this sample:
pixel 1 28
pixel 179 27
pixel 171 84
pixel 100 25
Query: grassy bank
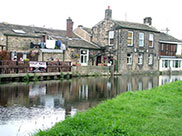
pixel 155 112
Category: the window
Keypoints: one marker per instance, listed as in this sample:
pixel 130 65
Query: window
pixel 162 47
pixel 176 64
pixel 130 38
pixel 150 85
pixel 140 58
pixel 129 86
pixel 111 38
pixel 140 85
pixel 129 58
pixel 18 31
pixel 24 55
pixel 150 59
pixel 165 63
pixel 84 56
pixel 151 40
pixel 141 39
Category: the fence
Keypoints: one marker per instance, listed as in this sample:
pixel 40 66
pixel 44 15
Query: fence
pixel 12 67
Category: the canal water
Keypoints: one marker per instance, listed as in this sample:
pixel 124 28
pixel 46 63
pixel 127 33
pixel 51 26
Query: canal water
pixel 26 108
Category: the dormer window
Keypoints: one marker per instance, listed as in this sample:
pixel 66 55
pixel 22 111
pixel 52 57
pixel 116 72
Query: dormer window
pixel 111 38
pixel 18 31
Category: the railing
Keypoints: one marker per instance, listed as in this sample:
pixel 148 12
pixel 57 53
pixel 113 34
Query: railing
pixel 12 67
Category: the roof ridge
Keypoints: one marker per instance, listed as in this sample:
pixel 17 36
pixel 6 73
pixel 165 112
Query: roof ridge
pixel 31 26
pixel 87 41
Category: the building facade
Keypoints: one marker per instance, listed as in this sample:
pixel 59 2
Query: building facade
pixel 132 47
pixel 170 51
pixel 135 47
pixel 42 44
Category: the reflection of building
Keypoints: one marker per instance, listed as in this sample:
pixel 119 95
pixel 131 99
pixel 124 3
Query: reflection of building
pixel 52 101
pixel 14 94
pixel 167 79
pixel 83 92
pixel 37 90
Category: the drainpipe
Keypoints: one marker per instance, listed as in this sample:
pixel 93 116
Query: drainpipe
pixel 63 55
pixel 6 42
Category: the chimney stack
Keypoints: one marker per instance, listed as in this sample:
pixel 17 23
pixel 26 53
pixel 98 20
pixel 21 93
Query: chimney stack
pixel 148 21
pixel 108 13
pixel 69 29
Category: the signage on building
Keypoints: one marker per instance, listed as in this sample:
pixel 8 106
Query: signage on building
pixel 36 66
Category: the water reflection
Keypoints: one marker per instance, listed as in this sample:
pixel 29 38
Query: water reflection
pixel 25 108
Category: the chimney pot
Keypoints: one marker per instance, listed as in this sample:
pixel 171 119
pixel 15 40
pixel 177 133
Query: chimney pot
pixel 108 13
pixel 148 20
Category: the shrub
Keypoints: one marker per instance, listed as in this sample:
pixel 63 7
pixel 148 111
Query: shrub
pixel 4 55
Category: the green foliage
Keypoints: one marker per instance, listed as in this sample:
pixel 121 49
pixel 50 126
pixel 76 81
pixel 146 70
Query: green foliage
pixel 76 74
pixel 35 78
pixel 4 55
pixel 26 78
pixel 155 112
pixel 61 75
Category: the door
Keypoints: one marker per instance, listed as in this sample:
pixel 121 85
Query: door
pixel 84 57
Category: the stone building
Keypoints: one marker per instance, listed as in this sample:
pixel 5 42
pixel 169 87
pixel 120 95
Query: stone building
pixel 132 47
pixel 42 44
pixel 137 46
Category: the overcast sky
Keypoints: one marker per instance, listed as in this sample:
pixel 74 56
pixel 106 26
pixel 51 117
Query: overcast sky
pixel 53 13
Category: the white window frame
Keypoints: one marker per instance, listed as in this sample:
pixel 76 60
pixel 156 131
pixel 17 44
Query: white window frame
pixel 177 63
pixel 129 59
pixel 150 59
pixel 165 63
pixel 84 57
pixel 24 55
pixel 141 38
pixel 151 39
pixel 130 38
pixel 111 36
pixel 140 58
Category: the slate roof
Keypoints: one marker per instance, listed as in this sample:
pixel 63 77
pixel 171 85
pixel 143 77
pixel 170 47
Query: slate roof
pixel 88 30
pixel 75 41
pixel 131 25
pixel 168 38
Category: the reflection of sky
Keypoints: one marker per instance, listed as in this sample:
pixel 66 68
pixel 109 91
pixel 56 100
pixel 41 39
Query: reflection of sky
pixel 27 125
pixel 37 90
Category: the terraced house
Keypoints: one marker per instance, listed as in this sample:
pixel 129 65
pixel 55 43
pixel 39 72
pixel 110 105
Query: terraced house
pixel 43 44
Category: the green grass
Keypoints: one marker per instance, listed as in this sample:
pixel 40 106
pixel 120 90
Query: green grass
pixel 155 112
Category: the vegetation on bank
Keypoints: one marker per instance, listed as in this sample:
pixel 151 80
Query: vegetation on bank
pixel 155 112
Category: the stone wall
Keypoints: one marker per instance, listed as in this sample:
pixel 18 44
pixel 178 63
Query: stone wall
pixel 90 70
pixel 123 49
pixel 21 43
pixel 100 32
pixel 73 55
pixel 51 57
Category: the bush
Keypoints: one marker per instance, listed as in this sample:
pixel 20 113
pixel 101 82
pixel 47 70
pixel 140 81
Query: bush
pixel 4 55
